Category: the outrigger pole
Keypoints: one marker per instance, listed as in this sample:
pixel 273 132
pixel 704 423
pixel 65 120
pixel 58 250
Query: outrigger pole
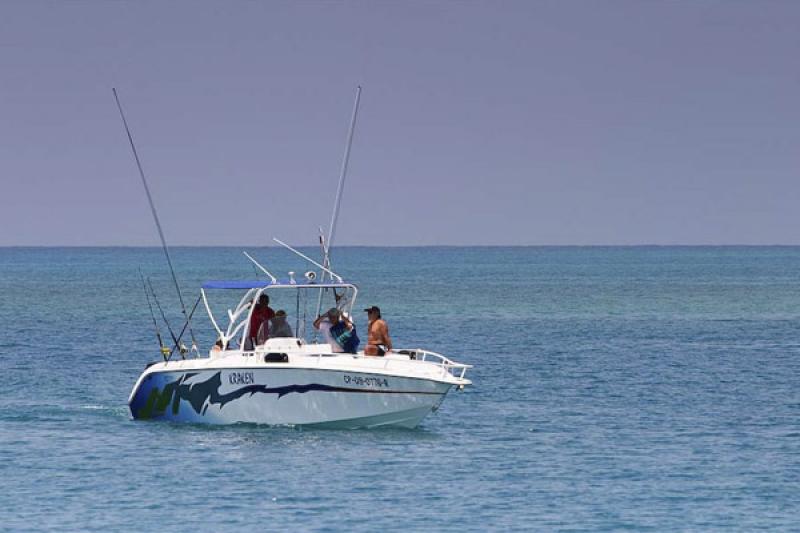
pixel 155 217
pixel 261 267
pixel 304 256
pixel 342 176
pixel 326 244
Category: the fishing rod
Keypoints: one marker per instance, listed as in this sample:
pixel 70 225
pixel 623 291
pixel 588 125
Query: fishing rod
pixel 321 291
pixel 183 330
pixel 183 349
pixel 155 214
pixel 162 347
pixel 326 244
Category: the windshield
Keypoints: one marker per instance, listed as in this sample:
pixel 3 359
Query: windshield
pixel 247 318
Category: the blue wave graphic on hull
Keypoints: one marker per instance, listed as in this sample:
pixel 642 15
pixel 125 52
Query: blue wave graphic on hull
pixel 150 401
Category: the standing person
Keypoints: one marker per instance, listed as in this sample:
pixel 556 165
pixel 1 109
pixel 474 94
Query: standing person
pixel 344 332
pixel 338 331
pixel 378 341
pixel 323 324
pixel 259 322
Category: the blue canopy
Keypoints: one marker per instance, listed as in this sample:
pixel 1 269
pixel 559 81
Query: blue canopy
pixel 260 283
pixel 236 284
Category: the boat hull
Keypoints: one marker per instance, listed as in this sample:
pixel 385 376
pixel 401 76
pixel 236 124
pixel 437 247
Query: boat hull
pixel 286 396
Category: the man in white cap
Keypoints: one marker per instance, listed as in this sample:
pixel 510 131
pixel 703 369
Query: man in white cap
pixel 323 324
pixel 338 331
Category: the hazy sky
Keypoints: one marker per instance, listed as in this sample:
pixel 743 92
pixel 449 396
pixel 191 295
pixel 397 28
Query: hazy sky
pixel 565 122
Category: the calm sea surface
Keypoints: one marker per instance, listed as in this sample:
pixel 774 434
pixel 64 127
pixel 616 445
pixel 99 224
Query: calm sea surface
pixel 615 388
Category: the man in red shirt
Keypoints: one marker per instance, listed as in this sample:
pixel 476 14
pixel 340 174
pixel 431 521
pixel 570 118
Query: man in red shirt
pixel 259 321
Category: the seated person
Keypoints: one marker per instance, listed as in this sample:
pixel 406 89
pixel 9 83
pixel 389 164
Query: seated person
pixel 338 331
pixel 218 346
pixel 278 325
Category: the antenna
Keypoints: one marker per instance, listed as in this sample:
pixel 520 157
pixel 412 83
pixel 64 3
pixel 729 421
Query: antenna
pixel 155 215
pixel 304 256
pixel 264 270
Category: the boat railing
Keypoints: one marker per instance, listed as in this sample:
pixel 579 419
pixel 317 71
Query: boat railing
pixel 457 370
pixel 448 366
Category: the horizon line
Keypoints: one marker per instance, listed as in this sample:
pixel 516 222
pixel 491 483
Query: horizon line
pixel 250 246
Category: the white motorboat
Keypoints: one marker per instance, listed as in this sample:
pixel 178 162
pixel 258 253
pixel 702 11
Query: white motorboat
pixel 290 380
pixel 287 380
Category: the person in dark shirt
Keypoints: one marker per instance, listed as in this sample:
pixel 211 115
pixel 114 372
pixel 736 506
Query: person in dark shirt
pixel 338 331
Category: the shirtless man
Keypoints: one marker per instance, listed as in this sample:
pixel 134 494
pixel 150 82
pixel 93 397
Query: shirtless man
pixel 378 342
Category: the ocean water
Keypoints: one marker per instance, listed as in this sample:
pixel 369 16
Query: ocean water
pixel 641 388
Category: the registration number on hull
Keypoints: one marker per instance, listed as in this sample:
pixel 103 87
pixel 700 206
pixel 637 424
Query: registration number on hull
pixel 361 381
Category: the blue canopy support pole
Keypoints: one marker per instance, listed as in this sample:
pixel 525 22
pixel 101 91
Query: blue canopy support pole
pixel 211 317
